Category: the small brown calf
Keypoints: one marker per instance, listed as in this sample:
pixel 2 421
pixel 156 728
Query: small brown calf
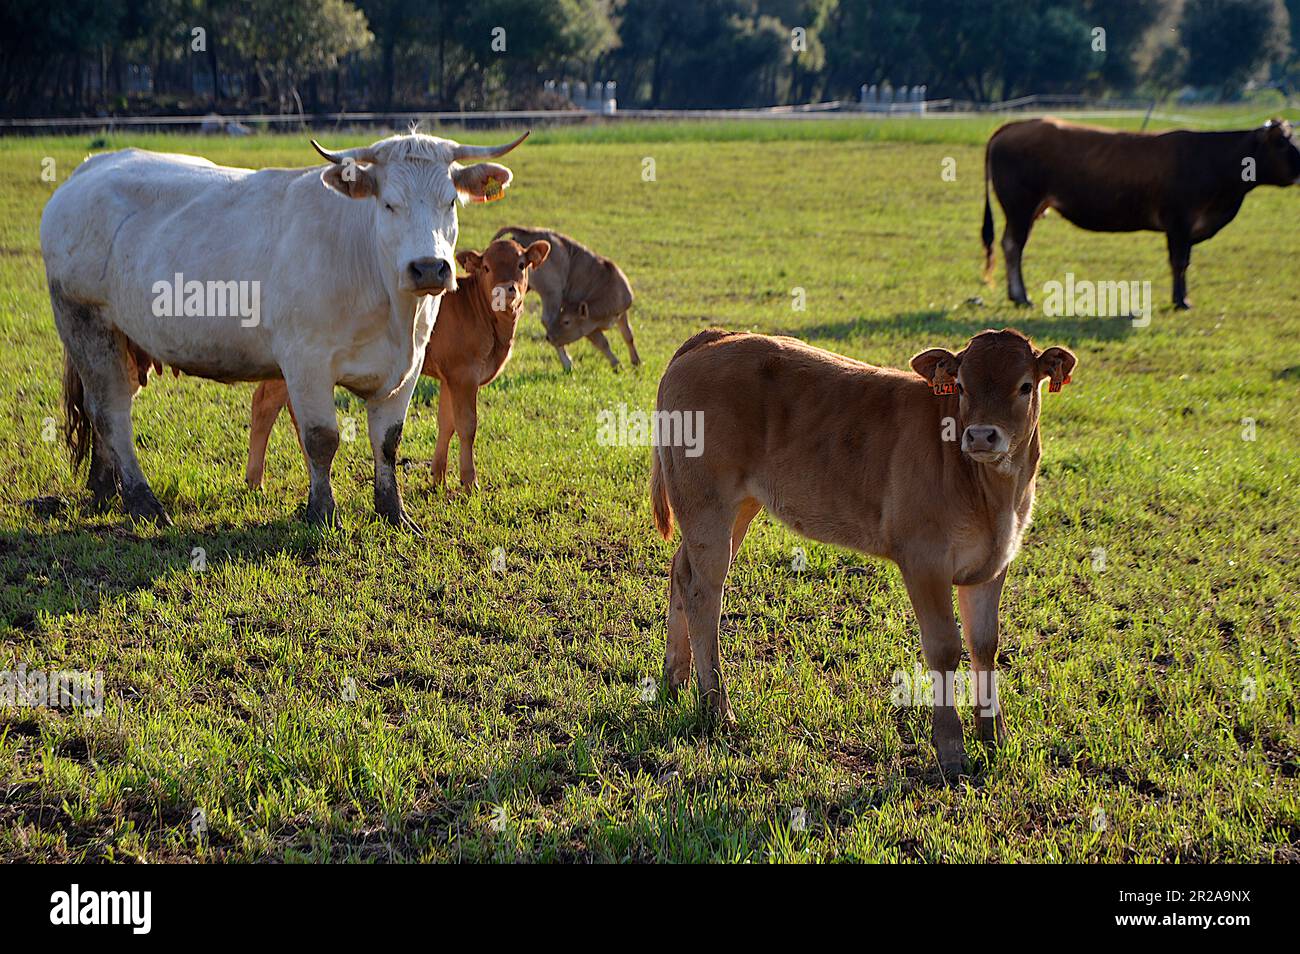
pixel 470 344
pixel 933 469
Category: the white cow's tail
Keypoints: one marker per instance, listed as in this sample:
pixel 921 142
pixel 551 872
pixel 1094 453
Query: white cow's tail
pixel 76 422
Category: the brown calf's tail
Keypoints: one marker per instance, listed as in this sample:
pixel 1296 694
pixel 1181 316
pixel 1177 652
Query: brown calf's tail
pixel 659 497
pixel 76 422
pixel 987 233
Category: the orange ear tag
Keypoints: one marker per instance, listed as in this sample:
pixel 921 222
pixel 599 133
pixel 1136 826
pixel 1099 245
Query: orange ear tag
pixel 491 191
pixel 1054 385
pixel 944 383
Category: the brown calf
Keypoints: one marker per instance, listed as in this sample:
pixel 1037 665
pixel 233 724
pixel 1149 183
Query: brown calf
pixel 934 470
pixel 1188 185
pixel 583 295
pixel 470 344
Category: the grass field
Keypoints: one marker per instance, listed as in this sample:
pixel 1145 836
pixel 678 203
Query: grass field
pixel 363 694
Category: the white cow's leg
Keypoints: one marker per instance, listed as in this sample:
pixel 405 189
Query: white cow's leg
pixel 312 397
pixel 385 418
pixel 99 385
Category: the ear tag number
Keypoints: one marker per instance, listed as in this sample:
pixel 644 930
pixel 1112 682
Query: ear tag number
pixel 944 383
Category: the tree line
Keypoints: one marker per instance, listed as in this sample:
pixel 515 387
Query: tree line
pixel 114 57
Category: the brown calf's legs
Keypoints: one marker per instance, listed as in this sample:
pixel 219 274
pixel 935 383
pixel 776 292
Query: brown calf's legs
pixel 677 654
pixel 598 338
pixel 625 329
pixel 979 617
pixel 268 400
pixel 446 428
pixel 699 571
pixel 466 415
pixel 931 594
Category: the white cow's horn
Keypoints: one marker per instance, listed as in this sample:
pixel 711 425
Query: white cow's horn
pixel 483 152
pixel 360 154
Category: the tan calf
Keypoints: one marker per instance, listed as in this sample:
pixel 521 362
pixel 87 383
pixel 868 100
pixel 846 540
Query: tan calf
pixel 470 344
pixel 933 469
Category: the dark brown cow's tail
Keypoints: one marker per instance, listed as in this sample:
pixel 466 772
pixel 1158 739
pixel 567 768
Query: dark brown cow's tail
pixel 987 233
pixel 76 422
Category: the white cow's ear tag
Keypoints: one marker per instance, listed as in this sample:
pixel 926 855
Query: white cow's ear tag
pixel 492 191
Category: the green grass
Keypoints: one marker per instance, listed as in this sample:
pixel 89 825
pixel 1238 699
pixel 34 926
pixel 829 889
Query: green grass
pixel 362 694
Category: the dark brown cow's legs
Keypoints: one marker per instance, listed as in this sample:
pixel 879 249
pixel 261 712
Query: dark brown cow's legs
pixel 1014 238
pixel 1180 256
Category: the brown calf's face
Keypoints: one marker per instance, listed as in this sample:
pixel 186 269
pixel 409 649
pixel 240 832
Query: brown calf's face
pixel 1277 154
pixel 505 265
pixel 996 379
pixel 573 322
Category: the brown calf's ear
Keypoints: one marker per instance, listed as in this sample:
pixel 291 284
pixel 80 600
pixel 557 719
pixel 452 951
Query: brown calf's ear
pixel 537 252
pixel 583 311
pixel 351 180
pixel 1056 365
pixel 470 260
pixel 939 367
pixel 483 182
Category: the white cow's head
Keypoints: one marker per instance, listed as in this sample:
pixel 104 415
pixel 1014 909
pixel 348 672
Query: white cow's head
pixel 412 184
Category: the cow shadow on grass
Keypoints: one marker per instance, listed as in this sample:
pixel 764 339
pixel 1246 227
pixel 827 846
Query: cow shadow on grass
pixel 964 322
pixel 59 572
pixel 666 808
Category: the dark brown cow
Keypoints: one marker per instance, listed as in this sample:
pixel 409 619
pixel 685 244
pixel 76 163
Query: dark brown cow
pixel 1188 185
pixel 932 468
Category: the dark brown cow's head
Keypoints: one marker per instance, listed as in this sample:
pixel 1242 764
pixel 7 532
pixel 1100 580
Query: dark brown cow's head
pixel 503 267
pixel 1277 156
pixel 996 378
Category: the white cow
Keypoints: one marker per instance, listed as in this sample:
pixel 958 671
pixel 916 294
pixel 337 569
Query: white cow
pixel 242 275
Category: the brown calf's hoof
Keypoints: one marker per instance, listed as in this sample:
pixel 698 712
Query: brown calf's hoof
pixel 1183 305
pixel 720 718
pixel 992 731
pixel 953 767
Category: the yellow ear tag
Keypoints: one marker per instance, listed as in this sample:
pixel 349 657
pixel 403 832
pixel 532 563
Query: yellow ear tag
pixel 491 191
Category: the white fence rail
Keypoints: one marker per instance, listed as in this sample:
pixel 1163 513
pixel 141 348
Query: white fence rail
pixel 884 103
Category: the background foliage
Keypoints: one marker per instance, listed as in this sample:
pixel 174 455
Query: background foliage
pixel 77 56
